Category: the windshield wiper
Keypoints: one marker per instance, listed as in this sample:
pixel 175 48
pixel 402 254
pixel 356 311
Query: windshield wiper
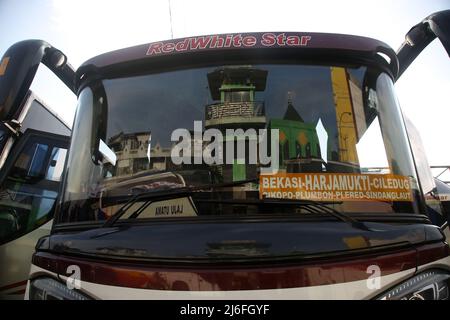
pixel 311 206
pixel 167 194
pixel 315 207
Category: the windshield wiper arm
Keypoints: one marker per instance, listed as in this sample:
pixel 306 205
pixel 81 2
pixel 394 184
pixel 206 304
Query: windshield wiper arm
pixel 167 194
pixel 310 205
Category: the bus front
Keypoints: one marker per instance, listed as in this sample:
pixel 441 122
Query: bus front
pixel 242 166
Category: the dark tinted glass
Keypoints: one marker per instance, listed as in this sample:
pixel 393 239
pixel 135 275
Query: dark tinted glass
pixel 326 121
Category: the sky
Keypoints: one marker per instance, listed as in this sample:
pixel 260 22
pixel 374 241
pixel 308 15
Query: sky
pixel 85 28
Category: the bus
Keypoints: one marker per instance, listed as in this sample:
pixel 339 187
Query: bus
pixel 289 125
pixel 33 146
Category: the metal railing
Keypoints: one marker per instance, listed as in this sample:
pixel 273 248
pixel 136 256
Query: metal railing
pixel 234 109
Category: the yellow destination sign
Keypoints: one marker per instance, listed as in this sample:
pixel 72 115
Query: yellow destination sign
pixel 335 187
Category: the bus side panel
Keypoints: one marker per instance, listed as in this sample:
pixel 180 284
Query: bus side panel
pixel 40 118
pixel 15 259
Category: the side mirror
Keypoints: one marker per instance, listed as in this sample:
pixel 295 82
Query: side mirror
pixel 18 68
pixel 420 36
pixel 443 192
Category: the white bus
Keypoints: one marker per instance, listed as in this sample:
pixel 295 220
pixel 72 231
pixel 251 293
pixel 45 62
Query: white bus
pixel 34 142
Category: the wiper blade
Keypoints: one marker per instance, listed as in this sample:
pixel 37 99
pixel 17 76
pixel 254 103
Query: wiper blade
pixel 312 206
pixel 167 194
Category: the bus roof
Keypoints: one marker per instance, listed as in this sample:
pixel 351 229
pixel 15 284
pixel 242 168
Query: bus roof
pixel 269 45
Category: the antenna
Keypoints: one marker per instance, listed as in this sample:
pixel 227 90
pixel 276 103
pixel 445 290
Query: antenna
pixel 170 17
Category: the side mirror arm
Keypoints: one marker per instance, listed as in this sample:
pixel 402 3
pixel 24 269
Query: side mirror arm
pixel 436 25
pixel 18 68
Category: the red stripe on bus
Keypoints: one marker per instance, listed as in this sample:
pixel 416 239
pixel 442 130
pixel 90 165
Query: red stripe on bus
pixel 22 291
pixel 13 285
pixel 202 278
pixel 431 252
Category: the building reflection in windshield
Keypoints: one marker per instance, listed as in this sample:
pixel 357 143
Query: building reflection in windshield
pixel 238 94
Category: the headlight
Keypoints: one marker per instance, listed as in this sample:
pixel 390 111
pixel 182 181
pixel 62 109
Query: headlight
pixel 50 289
pixel 429 285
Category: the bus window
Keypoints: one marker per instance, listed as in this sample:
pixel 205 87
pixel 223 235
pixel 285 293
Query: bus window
pixel 29 191
pixel 56 165
pixel 37 161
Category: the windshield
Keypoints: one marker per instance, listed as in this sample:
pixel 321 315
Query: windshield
pixel 302 132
